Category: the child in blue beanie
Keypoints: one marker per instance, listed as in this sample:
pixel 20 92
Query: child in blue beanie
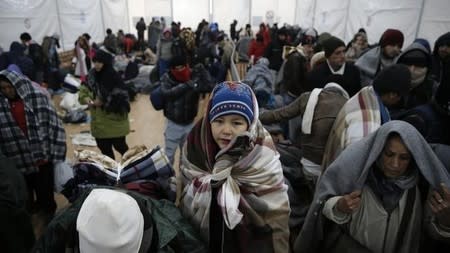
pixel 233 184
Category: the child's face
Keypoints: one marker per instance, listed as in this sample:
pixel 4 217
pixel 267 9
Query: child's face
pixel 225 128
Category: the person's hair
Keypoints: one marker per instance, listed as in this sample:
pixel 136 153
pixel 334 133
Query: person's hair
pixel 25 37
pixel 87 36
pixel 108 31
pixel 4 78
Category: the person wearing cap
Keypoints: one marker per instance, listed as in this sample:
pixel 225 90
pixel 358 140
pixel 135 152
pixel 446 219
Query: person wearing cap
pixel 418 60
pixel 381 56
pixel 32 135
pixel 164 51
pixel 110 220
pixel 335 65
pixel 107 98
pixel 274 49
pixel 366 111
pixel 441 63
pixel 179 89
pixel 233 185
pixel 154 32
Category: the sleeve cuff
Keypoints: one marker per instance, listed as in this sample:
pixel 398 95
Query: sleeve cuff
pixel 330 211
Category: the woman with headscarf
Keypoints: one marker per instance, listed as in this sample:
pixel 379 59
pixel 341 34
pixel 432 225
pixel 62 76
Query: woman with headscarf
pixel 374 196
pixel 109 105
pixel 234 191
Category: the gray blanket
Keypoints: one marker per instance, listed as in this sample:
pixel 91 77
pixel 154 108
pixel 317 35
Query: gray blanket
pixel 350 170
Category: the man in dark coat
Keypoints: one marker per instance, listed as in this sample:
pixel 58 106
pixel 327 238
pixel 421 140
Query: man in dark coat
pixel 141 27
pixel 335 65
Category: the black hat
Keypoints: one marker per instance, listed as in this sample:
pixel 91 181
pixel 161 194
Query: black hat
pixel 103 57
pixel 282 31
pixel 415 57
pixel 331 44
pixel 177 61
pixel 395 78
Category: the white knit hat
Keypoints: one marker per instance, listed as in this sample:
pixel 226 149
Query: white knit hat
pixel 110 221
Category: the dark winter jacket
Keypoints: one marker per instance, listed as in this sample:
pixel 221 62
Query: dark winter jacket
pixel 181 100
pixel 318 77
pixel 274 52
pixel 419 94
pixel 165 230
pixel 16 231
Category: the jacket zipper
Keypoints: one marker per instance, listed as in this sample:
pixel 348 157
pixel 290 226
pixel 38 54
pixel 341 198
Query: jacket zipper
pixel 386 231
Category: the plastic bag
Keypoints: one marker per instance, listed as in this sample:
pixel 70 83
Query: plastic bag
pixel 63 172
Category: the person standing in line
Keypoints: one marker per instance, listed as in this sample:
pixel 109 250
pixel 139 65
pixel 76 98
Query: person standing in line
pixel 32 135
pixel 141 27
pixel 109 105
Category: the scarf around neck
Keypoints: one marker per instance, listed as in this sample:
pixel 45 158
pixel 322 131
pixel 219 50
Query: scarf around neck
pixel 390 190
pixel 183 75
pixel 248 165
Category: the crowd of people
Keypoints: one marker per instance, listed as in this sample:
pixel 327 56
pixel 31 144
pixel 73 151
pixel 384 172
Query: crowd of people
pixel 322 147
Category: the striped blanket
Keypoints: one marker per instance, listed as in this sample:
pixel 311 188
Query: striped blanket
pixel 249 179
pixel 359 117
pixel 46 140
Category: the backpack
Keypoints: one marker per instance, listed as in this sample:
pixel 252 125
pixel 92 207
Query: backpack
pixel 156 97
pixel 131 71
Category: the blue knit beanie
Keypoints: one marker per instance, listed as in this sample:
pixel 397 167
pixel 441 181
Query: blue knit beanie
pixel 232 98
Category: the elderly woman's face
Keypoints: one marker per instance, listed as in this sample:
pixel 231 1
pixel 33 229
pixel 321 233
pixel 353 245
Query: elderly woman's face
pixel 395 158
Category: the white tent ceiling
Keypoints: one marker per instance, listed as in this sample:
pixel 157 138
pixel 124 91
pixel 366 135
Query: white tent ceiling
pixel 70 18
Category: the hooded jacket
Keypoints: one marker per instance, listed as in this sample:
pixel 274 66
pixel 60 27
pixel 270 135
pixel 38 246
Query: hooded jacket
pixel 46 140
pixel 350 171
pixel 421 93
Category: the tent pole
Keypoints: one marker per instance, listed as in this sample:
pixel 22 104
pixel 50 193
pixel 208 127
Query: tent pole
pixel 250 13
pixel 60 26
pixel 420 18
pixel 128 16
pixel 103 18
pixel 210 10
pixel 296 11
pixel 346 19
pixel 314 14
pixel 171 10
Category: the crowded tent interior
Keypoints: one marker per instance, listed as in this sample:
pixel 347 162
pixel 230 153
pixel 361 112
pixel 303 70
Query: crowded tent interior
pixel 225 126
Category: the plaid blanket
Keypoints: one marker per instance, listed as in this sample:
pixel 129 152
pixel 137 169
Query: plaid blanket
pixel 249 177
pixel 46 138
pixel 359 117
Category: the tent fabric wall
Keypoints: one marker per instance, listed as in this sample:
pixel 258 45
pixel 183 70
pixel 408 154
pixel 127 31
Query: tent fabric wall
pixel 38 18
pixel 224 12
pixel 304 10
pixel 115 15
pixel 69 18
pixel 190 13
pixel 435 19
pixel 78 17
